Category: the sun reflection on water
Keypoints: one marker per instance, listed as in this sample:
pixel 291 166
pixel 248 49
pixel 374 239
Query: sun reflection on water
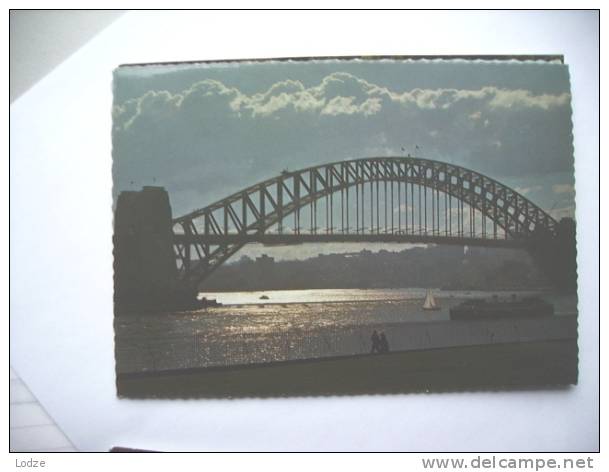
pixel 288 325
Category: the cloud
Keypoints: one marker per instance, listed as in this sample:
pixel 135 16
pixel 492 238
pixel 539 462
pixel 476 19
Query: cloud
pixel 346 106
pixel 211 139
pixel 527 190
pixel 563 188
pixel 493 97
pixel 524 98
pixel 339 93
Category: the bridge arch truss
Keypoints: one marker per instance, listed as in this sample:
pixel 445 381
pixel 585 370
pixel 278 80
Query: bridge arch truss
pixel 379 199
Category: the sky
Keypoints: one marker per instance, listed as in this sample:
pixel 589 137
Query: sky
pixel 208 130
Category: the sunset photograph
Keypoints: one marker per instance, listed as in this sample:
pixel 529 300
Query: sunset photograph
pixel 343 226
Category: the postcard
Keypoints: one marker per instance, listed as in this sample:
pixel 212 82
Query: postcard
pixel 342 226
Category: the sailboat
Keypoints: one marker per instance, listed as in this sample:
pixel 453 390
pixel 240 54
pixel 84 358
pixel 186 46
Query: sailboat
pixel 430 302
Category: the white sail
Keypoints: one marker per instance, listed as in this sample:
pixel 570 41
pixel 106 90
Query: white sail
pixel 430 302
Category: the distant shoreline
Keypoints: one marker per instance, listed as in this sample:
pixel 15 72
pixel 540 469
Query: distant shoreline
pixel 442 295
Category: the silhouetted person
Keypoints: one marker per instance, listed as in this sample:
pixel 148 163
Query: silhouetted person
pixel 376 342
pixel 383 343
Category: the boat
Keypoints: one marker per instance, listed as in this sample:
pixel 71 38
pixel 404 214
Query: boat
pixel 205 302
pixel 528 307
pixel 430 302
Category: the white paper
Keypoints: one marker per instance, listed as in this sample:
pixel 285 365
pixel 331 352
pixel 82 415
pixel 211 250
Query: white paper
pixel 61 245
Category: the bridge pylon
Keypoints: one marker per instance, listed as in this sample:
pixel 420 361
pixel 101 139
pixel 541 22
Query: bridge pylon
pixel 145 273
pixel 556 255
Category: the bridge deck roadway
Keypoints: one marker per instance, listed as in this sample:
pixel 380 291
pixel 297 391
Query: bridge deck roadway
pixel 293 239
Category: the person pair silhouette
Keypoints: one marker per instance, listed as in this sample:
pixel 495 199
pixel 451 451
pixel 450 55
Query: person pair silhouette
pixel 379 343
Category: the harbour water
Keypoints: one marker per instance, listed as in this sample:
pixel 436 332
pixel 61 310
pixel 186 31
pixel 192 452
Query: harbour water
pixel 295 324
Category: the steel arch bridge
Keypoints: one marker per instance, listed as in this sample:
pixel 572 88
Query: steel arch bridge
pixel 378 199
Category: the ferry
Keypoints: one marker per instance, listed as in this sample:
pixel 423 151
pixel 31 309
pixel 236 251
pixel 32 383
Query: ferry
pixel 528 307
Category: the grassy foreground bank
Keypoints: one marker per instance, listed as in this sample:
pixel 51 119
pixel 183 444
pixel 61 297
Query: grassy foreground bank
pixel 493 366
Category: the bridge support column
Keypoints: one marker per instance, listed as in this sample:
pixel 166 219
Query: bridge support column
pixel 145 272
